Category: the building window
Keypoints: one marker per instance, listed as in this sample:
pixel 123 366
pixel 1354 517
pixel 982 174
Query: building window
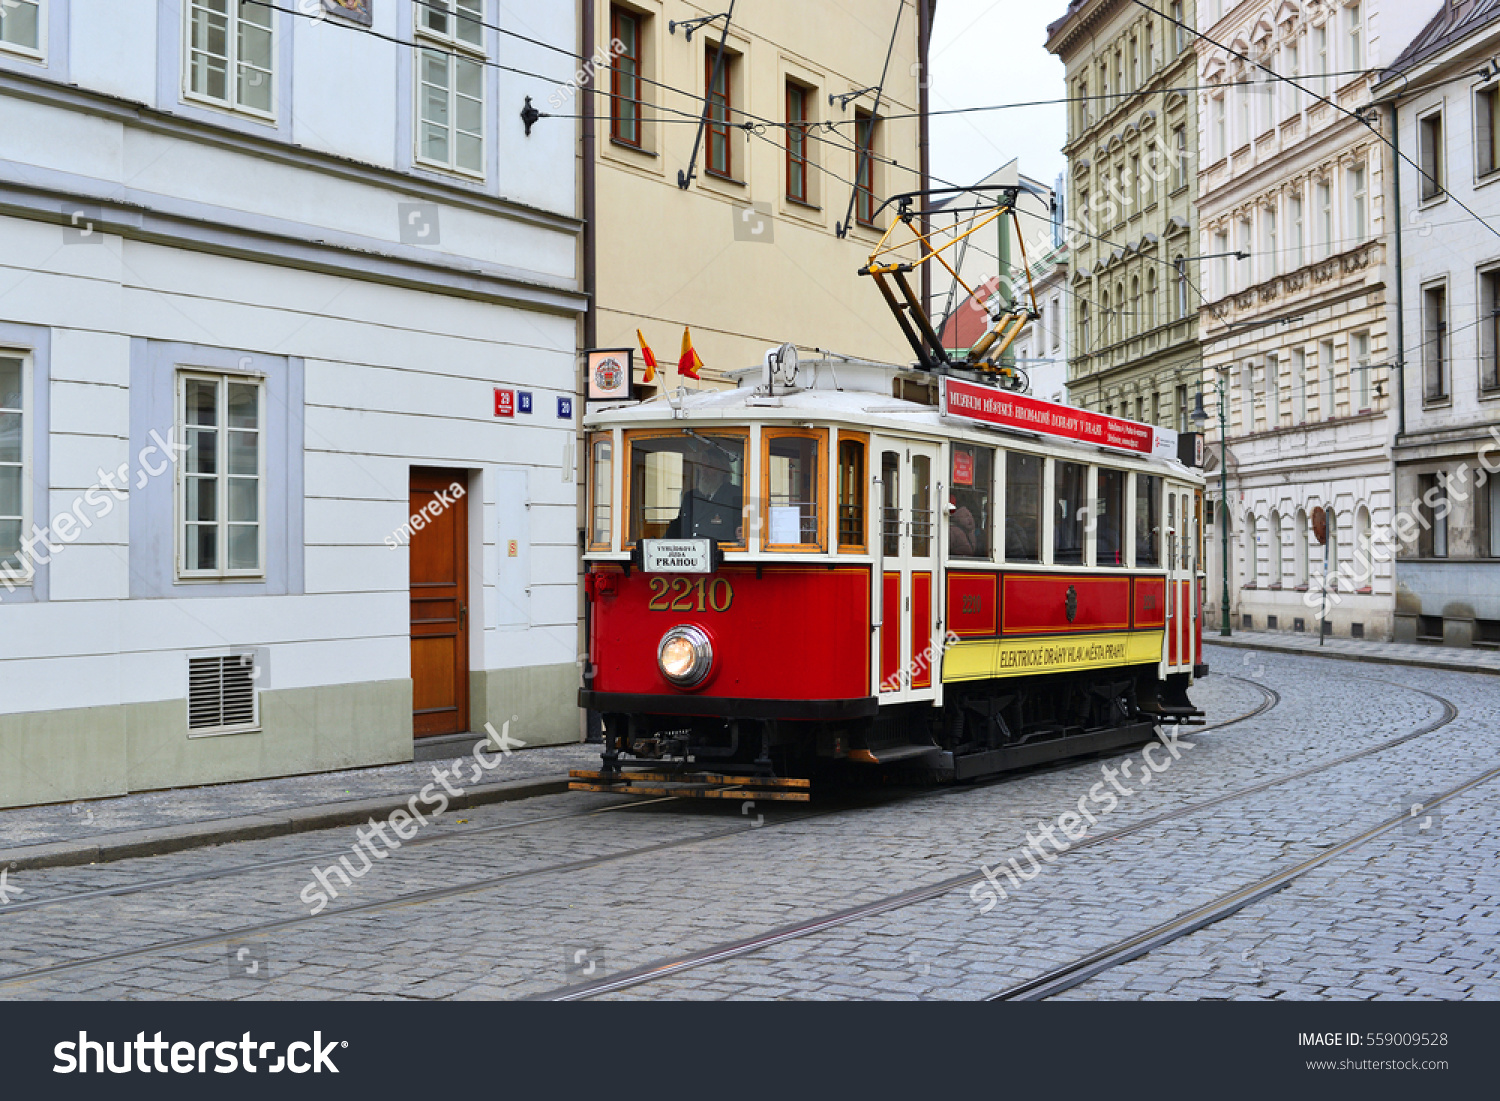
pixel 1320 57
pixel 1221 263
pixel 625 76
pixel 1273 391
pixel 796 141
pixel 1083 327
pixel 1435 342
pixel 1489 329
pixel 1023 507
pixel 1184 424
pixel 1487 129
pixel 1268 237
pixel 1298 242
pixel 1182 287
pixel 1219 146
pixel 450 85
pixel 1326 397
pixel 1136 314
pixel 1494 508
pixel 1150 49
pixel 1149 320
pixel 1299 386
pixel 229 56
pixel 1179 28
pixel 1354 37
pixel 1432 510
pixel 221 486
pixel 14 479
pixel 867 152
pixel 21 26
pixel 1291 87
pixel 1358 205
pixel 1323 198
pixel 1430 152
pixel 718 79
pixel 1180 155
pixel 1359 369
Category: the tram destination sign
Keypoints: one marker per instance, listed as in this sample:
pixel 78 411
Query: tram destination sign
pixel 677 555
pixel 1003 409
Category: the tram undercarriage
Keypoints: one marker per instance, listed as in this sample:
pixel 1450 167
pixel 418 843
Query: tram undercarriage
pixel 983 728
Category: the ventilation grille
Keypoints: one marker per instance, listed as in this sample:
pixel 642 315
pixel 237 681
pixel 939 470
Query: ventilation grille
pixel 221 693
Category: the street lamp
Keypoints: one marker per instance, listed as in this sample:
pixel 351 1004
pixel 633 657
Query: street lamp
pixel 1200 418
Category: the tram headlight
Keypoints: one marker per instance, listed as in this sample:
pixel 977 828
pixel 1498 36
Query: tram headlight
pixel 685 656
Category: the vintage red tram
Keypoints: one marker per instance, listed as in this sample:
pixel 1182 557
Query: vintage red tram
pixel 881 565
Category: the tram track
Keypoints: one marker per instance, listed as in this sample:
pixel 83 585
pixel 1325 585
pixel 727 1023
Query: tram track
pixel 1269 699
pixel 808 927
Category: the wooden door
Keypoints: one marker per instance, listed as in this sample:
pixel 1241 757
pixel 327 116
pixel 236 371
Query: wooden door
pixel 439 602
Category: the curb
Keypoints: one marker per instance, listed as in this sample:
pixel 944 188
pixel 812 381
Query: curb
pixel 1375 659
pixel 160 840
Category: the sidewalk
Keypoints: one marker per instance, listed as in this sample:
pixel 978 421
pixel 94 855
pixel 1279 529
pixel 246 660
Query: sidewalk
pixel 1453 658
pixel 97 830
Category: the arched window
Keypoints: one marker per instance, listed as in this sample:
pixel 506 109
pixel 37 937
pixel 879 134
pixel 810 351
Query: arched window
pixel 1252 551
pixel 1364 562
pixel 1300 541
pixel 1275 557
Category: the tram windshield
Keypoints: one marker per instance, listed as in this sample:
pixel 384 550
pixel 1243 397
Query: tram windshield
pixel 688 485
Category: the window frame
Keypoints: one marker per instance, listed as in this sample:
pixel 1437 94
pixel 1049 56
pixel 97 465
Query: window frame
pixel 1361 386
pixel 988 530
pixel 1439 165
pixel 724 129
pixel 221 379
pixel 21 577
pixel 1124 534
pixel 800 127
pixel 1440 357
pixel 862 439
pixel 39 52
pixel 457 50
pixel 1489 329
pixel 866 152
pixel 617 12
pixel 231 104
pixel 1486 114
pixel 1002 512
pixel 819 482
pixel 629 438
pixel 1357 202
pixel 594 439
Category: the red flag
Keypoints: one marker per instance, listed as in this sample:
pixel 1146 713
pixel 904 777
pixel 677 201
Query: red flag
pixel 648 356
pixel 688 365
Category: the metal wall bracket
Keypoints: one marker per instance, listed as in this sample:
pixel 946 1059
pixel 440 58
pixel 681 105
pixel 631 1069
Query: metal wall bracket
pixel 529 115
pixel 691 25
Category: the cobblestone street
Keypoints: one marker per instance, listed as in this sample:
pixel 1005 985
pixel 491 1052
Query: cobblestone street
pixel 535 896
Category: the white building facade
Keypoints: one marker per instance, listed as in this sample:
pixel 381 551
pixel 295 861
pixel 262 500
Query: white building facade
pixel 1296 218
pixel 1445 89
pixel 273 280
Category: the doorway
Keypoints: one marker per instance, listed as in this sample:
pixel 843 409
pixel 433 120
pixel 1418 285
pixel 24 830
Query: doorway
pixel 439 602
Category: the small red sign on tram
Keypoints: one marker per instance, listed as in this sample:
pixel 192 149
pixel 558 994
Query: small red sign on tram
pixel 1003 409
pixel 963 467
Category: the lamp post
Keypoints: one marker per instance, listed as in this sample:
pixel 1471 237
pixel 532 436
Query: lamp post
pixel 1200 418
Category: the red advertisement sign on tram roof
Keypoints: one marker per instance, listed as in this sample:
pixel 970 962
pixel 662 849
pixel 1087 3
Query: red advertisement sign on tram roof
pixel 1003 409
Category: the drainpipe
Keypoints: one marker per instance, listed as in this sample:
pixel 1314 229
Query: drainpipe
pixel 590 237
pixel 1400 283
pixel 924 37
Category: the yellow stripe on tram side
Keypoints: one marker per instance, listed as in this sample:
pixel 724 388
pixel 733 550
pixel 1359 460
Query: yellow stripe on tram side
pixel 983 659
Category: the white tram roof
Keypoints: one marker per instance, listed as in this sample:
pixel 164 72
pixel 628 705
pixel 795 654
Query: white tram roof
pixel 852 392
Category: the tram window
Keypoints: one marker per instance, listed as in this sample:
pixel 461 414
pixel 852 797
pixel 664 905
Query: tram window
pixel 791 490
pixel 1109 526
pixel 1023 507
pixel 921 506
pixel 1187 535
pixel 1072 514
pixel 969 501
pixel 687 486
pixel 852 490
pixel 1147 520
pixel 890 508
pixel 601 489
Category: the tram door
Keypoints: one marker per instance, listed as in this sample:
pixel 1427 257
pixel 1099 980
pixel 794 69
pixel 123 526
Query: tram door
pixel 910 505
pixel 1182 567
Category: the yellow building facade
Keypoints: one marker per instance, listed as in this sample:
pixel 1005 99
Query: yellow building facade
pixel 746 217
